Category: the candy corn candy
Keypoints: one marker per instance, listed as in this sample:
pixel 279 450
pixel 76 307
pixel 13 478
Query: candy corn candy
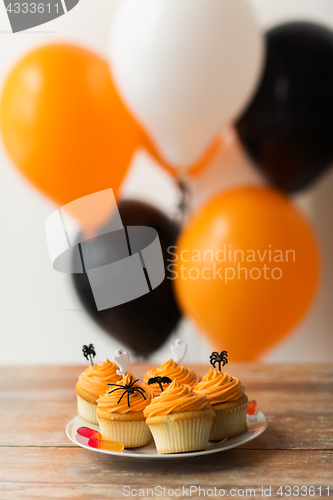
pixel 252 407
pixel 102 444
pixel 88 433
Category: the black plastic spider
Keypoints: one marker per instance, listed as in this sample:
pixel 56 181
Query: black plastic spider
pixel 89 351
pixel 215 357
pixel 159 381
pixel 128 389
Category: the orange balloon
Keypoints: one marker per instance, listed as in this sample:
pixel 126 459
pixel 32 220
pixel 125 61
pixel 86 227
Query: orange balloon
pixel 65 127
pixel 247 270
pixel 190 169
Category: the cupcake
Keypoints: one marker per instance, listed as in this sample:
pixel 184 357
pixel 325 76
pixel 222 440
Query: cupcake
pixel 179 419
pixel 92 383
pixel 174 371
pixel 229 401
pixel 120 413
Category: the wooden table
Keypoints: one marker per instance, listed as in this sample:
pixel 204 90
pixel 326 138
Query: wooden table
pixel 37 460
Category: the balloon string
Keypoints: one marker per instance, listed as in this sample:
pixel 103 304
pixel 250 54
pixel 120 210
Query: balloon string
pixel 183 204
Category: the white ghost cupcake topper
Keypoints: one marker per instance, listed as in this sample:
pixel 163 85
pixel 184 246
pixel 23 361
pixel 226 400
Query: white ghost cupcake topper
pixel 122 359
pixel 178 350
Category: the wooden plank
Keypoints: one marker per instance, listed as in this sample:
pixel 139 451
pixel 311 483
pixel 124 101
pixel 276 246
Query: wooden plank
pixel 88 491
pixel 282 432
pixel 38 414
pixel 233 467
pixel 272 401
pixel 251 374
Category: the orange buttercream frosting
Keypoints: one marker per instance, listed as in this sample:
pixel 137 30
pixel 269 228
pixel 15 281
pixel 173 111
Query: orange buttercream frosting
pixel 95 379
pixel 138 399
pixel 176 398
pixel 220 387
pixel 175 372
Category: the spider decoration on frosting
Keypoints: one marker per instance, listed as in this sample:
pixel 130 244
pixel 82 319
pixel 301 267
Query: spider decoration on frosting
pixel 89 352
pixel 221 358
pixel 128 389
pixel 159 381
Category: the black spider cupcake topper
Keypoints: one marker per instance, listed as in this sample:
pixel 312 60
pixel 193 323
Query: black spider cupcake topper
pixel 89 352
pixel 128 389
pixel 221 359
pixel 159 381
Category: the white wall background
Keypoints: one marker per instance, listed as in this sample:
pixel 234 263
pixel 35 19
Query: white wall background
pixel 41 319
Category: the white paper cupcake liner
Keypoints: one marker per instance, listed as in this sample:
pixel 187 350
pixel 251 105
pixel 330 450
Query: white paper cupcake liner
pixel 87 410
pixel 132 434
pixel 181 436
pixel 229 423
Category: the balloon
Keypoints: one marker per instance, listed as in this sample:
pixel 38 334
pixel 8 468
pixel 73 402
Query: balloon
pixel 65 127
pixel 143 324
pixel 185 69
pixel 250 270
pixel 287 128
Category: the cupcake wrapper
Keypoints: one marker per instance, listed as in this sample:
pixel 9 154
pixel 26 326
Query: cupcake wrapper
pixel 181 436
pixel 229 423
pixel 86 410
pixel 131 434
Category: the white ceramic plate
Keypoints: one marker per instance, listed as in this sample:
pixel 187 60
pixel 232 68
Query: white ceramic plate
pixel 256 425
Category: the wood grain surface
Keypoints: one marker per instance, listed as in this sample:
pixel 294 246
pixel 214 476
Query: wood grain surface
pixel 37 460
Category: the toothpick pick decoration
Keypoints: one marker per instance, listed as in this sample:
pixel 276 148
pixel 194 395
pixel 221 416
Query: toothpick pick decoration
pixel 89 352
pixel 178 350
pixel 122 359
pixel 220 358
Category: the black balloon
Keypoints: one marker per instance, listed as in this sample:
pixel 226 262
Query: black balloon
pixel 145 323
pixel 288 128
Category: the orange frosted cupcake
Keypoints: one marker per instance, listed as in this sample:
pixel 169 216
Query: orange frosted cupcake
pixel 229 401
pixel 120 413
pixel 179 419
pixel 91 384
pixel 174 371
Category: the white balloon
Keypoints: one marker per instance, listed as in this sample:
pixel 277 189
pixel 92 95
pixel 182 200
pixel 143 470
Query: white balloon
pixel 185 68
